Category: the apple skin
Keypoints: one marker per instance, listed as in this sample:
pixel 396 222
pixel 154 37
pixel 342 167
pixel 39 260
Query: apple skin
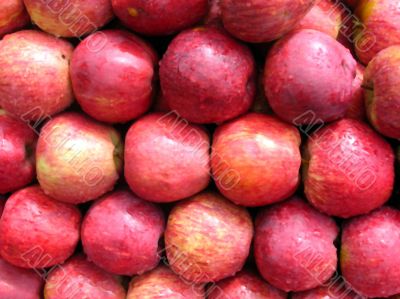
pixel 194 72
pixel 293 246
pixel 336 289
pixel 382 92
pixel 31 226
pixel 370 253
pixel 290 71
pixel 349 169
pixel 163 283
pixel 196 238
pixel 258 21
pixel 72 18
pixel 129 91
pixel 17 162
pixel 167 159
pixel 356 109
pixel 244 148
pixel 13 16
pixel 18 283
pixel 34 77
pixel 120 233
pixel 78 159
pixel 80 278
pixel 154 17
pixel 244 285
pixel 380 30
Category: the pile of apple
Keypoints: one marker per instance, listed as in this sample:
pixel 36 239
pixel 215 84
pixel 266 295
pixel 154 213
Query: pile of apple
pixel 190 149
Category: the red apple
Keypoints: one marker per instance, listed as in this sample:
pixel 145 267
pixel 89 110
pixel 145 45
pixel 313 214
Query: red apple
pixel 128 92
pixel 13 16
pixel 163 283
pixel 262 21
pixel 120 233
pixel 291 69
pixel 72 18
pixel 370 253
pixel 335 289
pixel 357 106
pixel 18 283
pixel 80 278
pixel 207 76
pixel 244 285
pixel 34 74
pixel 293 246
pixel 167 159
pixel 349 169
pixel 382 92
pixel 37 231
pixel 154 17
pixel 256 160
pixel 17 162
pixel 77 158
pixel 207 238
pixel 214 16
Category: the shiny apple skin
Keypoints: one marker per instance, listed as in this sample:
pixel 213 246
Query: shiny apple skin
pixel 336 289
pixel 13 16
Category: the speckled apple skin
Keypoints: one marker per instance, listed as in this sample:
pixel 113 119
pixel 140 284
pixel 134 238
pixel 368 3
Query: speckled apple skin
pixel 370 253
pixel 34 77
pixel 244 285
pixel 120 233
pixel 167 159
pixel 349 169
pixel 31 226
pixel 290 73
pixel 381 27
pixel 251 145
pixel 356 109
pixel 155 17
pixel 129 91
pixel 336 289
pixel 78 159
pixel 382 92
pixel 17 162
pixel 18 283
pixel 163 283
pixel 293 246
pixel 72 18
pixel 13 16
pixel 196 238
pixel 207 76
pixel 80 278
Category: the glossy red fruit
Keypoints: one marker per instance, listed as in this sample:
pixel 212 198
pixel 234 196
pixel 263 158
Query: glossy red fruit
pixel 207 77
pixel 13 16
pixel 120 233
pixel 335 289
pixel 31 226
pixel 293 246
pixel 349 169
pixel 356 109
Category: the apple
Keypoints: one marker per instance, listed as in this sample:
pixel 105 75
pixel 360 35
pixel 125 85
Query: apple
pixel 214 17
pixel 163 283
pixel 121 232
pixel 13 16
pixel 259 21
pixel 18 283
pixel 37 231
pixel 256 159
pixel 80 278
pixel 244 285
pixel 379 27
pixel 207 238
pixel 153 17
pixel 207 76
pixel 348 169
pixel 128 92
pixel 382 91
pixel 34 74
pixel 72 18
pixel 335 289
pixel 293 246
pixel 370 253
pixel 17 162
pixel 356 109
pixel 78 159
pixel 167 159
pixel 291 69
